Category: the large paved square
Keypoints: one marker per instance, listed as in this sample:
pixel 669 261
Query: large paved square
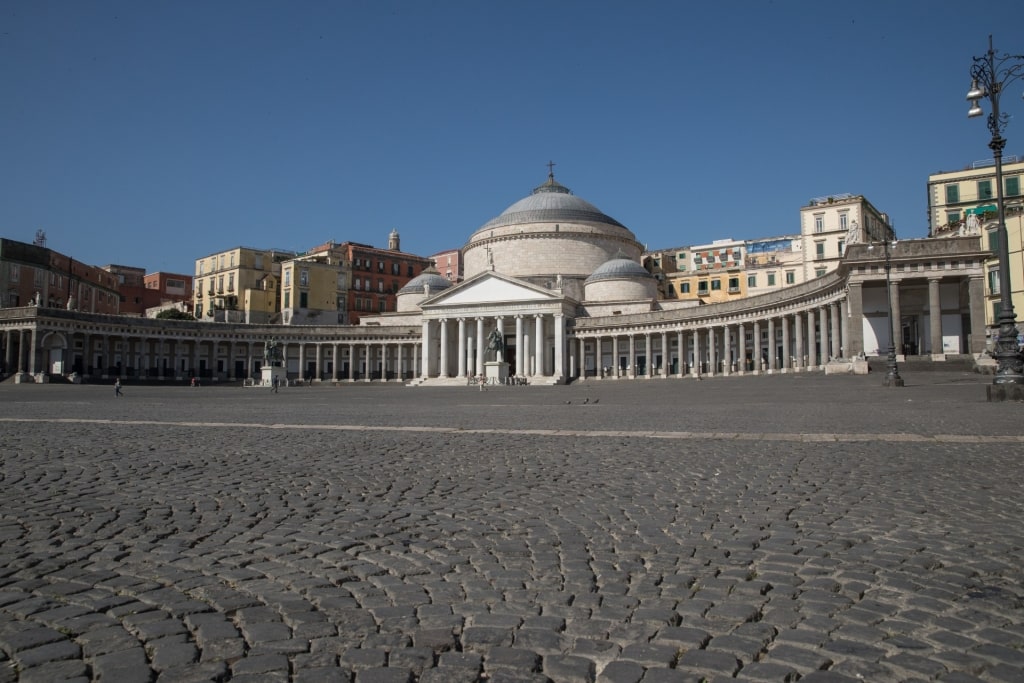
pixel 759 528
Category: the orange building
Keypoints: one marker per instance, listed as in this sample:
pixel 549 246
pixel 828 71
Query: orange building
pixel 30 273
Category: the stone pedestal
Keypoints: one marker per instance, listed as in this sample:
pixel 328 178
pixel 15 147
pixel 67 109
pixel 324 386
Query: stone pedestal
pixel 269 372
pixel 24 378
pixel 997 393
pixel 496 371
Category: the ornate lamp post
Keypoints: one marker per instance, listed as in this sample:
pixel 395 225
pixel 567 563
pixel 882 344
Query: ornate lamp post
pixel 990 74
pixel 892 373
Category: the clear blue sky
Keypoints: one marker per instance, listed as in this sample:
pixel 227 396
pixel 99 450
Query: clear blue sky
pixel 154 133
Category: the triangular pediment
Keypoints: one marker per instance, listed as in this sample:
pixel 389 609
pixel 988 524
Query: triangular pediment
pixel 490 288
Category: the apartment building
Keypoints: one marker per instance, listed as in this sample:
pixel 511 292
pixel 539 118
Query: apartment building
pixel 449 264
pixel 828 224
pixel 962 203
pixel 34 274
pixel 708 273
pixel 239 285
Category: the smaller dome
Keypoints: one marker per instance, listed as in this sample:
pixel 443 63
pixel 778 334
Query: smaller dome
pixel 619 268
pixel 428 278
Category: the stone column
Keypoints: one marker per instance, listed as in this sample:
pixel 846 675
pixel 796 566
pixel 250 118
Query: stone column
pixel 773 349
pixel 823 346
pixel 695 369
pixel 400 362
pixel 559 323
pixel 844 327
pixel 897 321
pixel 426 351
pixel 539 341
pixel 582 371
pixel 741 348
pixel 713 354
pixel 649 354
pixel 837 341
pixel 615 356
pixel 9 348
pixel 385 358
pixel 666 358
pixel 935 319
pixel 756 351
pixel 726 350
pixel 631 363
pixel 812 345
pixel 462 349
pixel 196 351
pixel 680 352
pixel 442 370
pixel 798 337
pixel 479 345
pixel 334 362
pixel 33 352
pixel 976 302
pixel 352 355
pixel 521 352
pixel 318 361
pixel 787 352
pixel 501 330
pixel 855 329
pixel 369 362
pixel 415 359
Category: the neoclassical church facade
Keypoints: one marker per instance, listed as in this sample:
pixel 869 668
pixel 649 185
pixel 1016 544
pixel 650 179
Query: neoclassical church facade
pixel 560 284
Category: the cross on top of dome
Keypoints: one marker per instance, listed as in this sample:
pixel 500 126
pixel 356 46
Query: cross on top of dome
pixel 552 185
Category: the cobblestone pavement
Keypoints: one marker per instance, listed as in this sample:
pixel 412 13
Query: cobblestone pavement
pixel 760 529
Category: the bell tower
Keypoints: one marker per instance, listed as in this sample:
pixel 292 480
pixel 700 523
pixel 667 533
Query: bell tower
pixel 393 240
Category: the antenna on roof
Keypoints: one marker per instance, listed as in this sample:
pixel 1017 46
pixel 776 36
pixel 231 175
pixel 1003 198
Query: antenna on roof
pixel 40 240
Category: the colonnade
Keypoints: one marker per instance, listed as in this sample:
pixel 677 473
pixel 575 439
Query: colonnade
pixel 786 342
pixel 534 344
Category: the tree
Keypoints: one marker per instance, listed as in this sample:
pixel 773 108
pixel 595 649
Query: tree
pixel 174 314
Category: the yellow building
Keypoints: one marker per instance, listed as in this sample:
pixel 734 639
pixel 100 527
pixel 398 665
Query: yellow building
pixel 314 288
pixel 964 203
pixel 773 263
pixel 709 273
pixel 238 285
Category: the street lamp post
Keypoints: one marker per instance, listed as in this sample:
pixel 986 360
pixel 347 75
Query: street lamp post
pixel 990 74
pixel 892 373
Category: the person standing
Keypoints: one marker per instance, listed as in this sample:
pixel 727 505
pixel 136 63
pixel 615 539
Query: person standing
pixel 274 383
pixel 117 387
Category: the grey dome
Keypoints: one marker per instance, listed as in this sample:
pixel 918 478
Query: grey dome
pixel 428 278
pixel 618 269
pixel 550 203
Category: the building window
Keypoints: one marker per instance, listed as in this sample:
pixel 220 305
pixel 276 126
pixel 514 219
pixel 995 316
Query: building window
pixel 380 266
pixel 383 305
pixel 819 251
pixel 303 299
pixel 231 282
pixel 952 194
pixel 380 285
pixel 220 283
pixel 716 285
pixel 287 278
pixel 819 223
pixel 771 279
pixel 842 246
pixel 993 241
pixel 734 285
pixel 843 221
pixel 287 299
pixel 819 272
pixel 231 260
pixel 1013 186
pixel 410 271
pixel 356 284
pixel 15 273
pixel 984 189
pixel 684 288
pixel 395 269
pixel 751 281
pixel 702 287
pixel 671 290
pixel 952 217
pixel 259 262
pixel 199 310
pixel 304 277
pixel 790 277
pixel 993 282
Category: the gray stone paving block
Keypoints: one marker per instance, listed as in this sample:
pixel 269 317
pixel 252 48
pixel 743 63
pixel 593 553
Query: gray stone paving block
pixel 710 662
pixel 483 638
pixel 383 675
pixel 683 637
pixel 171 652
pixel 511 658
pixel 744 649
pixel 206 673
pixel 260 664
pixel 804 659
pixel 541 640
pixel 449 675
pixel 24 637
pixel 34 656
pixel 665 676
pixel 828 677
pixel 767 672
pixel 227 650
pixel 649 654
pixel 569 669
pixel 621 672
pixel 364 658
pixel 55 671
pixel 415 659
pixel 257 632
pixel 322 674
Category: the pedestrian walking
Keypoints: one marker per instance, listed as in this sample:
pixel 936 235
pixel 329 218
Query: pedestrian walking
pixel 117 388
pixel 274 382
